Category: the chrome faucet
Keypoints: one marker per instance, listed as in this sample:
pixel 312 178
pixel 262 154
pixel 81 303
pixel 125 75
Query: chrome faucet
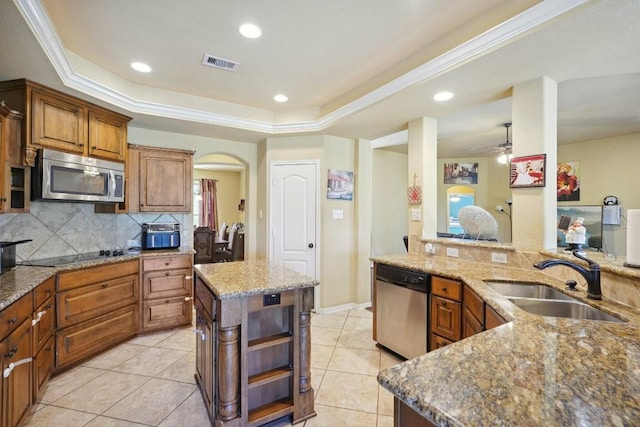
pixel 592 274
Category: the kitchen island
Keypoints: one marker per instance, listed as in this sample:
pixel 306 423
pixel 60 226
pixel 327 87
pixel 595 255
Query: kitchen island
pixel 253 354
pixel 531 371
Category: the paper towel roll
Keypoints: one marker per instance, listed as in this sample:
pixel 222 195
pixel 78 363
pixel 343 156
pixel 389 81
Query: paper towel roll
pixel 633 237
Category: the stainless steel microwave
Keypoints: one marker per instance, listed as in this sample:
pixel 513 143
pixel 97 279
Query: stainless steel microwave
pixel 69 177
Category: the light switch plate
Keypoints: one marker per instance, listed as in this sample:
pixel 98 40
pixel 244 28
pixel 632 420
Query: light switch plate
pixel 338 214
pixel 498 257
pixel 415 214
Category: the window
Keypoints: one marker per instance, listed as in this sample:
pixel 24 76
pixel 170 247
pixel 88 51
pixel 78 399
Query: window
pixel 197 199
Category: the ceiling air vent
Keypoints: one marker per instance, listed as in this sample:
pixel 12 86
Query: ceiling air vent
pixel 215 62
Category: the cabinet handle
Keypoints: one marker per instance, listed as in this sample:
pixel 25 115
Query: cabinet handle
pixel 11 353
pixel 443 303
pixel 93 147
pixel 444 289
pixel 4 199
pixel 81 145
pixel 201 332
pixel 166 263
pixel 188 298
pixel 105 285
pixel 7 371
pixel 13 320
pixel 166 274
pixel 48 292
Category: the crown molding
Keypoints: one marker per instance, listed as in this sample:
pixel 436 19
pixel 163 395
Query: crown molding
pixel 38 21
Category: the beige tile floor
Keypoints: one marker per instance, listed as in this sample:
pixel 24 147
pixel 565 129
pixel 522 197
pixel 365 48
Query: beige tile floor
pixel 148 381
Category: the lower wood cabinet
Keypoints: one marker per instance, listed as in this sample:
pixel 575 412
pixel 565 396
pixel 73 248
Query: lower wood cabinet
pixel 43 331
pixel 16 368
pixel 167 291
pixel 404 416
pixel 97 308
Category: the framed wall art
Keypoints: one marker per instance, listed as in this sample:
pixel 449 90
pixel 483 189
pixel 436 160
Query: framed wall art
pixel 568 181
pixel 527 171
pixel 460 173
pixel 339 184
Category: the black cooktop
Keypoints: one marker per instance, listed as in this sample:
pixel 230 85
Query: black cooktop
pixel 70 259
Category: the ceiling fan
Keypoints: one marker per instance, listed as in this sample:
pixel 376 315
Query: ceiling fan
pixel 505 148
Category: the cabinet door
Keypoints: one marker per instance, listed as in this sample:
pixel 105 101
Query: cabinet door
pixel 89 338
pixel 107 136
pixel 43 324
pixel 205 359
pixel 165 181
pixel 445 318
pixel 493 319
pixel 438 342
pixel 167 284
pixel 17 382
pixel 78 305
pixel 470 325
pixel 58 124
pixel 167 313
pixel 42 368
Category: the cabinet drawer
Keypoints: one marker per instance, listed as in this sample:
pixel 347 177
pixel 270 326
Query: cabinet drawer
pixel 93 275
pixel 205 298
pixel 78 305
pixel 167 284
pixel 438 342
pixel 15 314
pixel 446 288
pixel 91 337
pixel 166 313
pixel 42 368
pixel 167 262
pixel 44 291
pixel 473 303
pixel 445 318
pixel 44 318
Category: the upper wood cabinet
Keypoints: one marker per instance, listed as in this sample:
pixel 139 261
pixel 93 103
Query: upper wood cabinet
pixel 15 177
pixel 65 123
pixel 163 178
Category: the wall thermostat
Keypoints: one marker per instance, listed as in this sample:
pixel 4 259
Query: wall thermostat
pixel 610 200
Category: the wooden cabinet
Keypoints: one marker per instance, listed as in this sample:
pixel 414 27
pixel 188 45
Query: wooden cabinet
pixel 164 180
pixel 473 313
pixel 43 330
pixel 62 122
pixel 492 319
pixel 15 177
pixel 15 343
pixel 97 308
pixel 205 345
pixel 404 416
pixel 167 291
pixel 253 356
pixel 446 296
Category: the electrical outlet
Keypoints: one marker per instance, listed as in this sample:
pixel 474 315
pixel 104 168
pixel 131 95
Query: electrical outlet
pixel 498 257
pixel 429 248
pixel 452 252
pixel 132 243
pixel 415 214
pixel 338 214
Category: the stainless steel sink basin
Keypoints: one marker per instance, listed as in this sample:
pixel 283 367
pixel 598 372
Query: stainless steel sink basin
pixel 527 290
pixel 556 308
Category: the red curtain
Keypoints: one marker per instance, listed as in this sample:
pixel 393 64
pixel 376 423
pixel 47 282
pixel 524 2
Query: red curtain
pixel 209 205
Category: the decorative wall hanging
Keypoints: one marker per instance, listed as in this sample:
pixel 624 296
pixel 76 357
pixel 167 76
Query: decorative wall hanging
pixel 527 171
pixel 414 194
pixel 339 184
pixel 460 173
pixel 568 181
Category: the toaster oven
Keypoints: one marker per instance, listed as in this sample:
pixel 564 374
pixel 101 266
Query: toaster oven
pixel 156 235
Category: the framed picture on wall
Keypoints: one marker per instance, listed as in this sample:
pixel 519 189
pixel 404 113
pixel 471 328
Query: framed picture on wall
pixel 339 184
pixel 460 173
pixel 527 171
pixel 568 181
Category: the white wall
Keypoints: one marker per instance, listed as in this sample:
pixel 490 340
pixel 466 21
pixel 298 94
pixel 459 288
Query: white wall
pixel 389 202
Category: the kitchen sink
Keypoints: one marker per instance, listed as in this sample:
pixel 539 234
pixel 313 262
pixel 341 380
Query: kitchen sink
pixel 527 290
pixel 556 308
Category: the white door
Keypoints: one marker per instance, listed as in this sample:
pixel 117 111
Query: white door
pixel 294 216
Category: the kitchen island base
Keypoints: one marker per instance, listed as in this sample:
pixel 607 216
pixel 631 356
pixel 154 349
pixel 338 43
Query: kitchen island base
pixel 253 361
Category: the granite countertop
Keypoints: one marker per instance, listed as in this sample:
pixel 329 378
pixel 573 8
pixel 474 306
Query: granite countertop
pixel 245 278
pixel 20 280
pixel 533 370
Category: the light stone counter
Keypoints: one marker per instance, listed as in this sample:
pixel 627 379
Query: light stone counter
pixel 532 371
pixel 244 278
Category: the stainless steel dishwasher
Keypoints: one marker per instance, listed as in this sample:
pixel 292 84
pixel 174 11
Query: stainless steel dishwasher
pixel 402 310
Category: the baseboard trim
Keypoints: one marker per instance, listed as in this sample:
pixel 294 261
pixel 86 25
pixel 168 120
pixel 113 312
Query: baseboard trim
pixel 343 307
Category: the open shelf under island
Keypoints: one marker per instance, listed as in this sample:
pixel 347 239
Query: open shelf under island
pixel 253 357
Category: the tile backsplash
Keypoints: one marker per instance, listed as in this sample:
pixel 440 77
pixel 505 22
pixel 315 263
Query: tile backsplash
pixel 59 229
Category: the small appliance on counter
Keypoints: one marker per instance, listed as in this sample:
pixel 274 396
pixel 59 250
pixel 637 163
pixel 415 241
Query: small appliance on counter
pixel 8 254
pixel 156 235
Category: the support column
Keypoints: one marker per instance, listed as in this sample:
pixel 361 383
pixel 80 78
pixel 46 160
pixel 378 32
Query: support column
pixel 423 171
pixel 228 374
pixel 535 124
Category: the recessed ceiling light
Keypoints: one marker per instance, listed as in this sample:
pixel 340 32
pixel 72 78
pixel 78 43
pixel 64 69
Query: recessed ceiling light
pixel 250 31
pixel 280 98
pixel 443 96
pixel 141 66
